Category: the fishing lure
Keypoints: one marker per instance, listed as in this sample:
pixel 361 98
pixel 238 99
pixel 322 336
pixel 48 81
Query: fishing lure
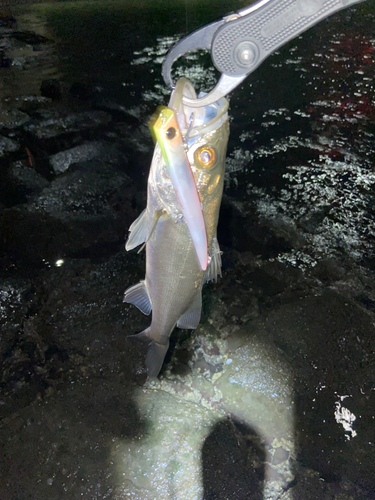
pixel 166 131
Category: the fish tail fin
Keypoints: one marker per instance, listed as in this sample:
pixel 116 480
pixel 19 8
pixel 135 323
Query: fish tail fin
pixel 155 353
pixel 155 357
pixel 142 336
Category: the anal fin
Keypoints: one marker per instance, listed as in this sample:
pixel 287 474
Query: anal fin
pixel 138 296
pixel 190 319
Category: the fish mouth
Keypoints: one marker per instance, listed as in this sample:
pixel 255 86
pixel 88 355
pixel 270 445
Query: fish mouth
pixel 195 122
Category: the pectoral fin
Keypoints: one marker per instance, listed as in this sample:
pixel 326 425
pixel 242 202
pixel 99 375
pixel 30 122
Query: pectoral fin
pixel 155 357
pixel 137 232
pixel 213 270
pixel 138 296
pixel 191 318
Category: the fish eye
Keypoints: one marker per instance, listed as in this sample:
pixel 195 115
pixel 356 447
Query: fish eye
pixel 171 133
pixel 205 156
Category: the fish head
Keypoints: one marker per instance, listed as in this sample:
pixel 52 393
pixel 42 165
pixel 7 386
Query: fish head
pixel 206 156
pixel 206 136
pixel 205 133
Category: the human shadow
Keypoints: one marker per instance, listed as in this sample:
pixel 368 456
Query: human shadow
pixel 233 458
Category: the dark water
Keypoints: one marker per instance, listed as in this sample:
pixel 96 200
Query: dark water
pixel 297 230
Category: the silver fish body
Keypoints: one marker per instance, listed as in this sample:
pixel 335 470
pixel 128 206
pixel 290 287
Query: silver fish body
pixel 173 284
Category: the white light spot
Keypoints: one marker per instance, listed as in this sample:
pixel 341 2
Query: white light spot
pixel 344 417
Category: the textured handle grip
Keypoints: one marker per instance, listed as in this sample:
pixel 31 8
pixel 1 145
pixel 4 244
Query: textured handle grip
pixel 240 45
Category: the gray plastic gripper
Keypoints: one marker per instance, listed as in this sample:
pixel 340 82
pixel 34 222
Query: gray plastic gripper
pixel 242 43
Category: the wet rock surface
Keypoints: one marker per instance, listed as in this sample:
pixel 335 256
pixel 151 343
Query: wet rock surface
pixel 276 383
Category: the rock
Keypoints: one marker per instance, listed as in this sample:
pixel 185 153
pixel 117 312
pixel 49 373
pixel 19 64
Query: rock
pixel 30 363
pixel 13 118
pixel 83 194
pixel 26 180
pixel 28 37
pixel 81 91
pixel 14 304
pixel 32 102
pixel 7 146
pixel 136 116
pixel 19 62
pixel 313 220
pixel 138 138
pixel 6 21
pixel 328 340
pixel 14 295
pixel 70 123
pixel 60 162
pixel 5 62
pixel 51 88
pixel 329 270
pixel 83 212
pixel 28 239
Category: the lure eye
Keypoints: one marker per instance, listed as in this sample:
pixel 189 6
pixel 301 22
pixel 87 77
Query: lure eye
pixel 171 133
pixel 205 156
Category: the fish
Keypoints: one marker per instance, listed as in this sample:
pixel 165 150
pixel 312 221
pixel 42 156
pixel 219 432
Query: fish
pixel 176 266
